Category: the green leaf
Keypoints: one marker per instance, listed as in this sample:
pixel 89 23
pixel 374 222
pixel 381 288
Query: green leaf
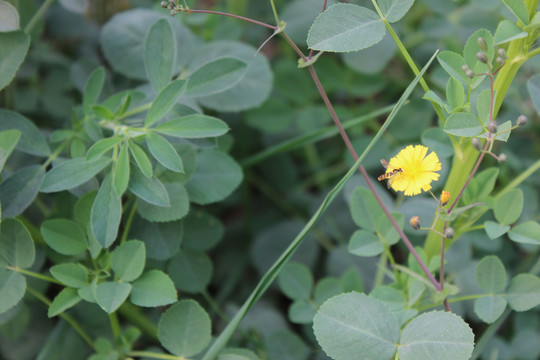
pixel 121 171
pixel 20 189
pixel 365 209
pixel 164 102
pixel 72 173
pixel 106 214
pixel 216 177
pixel 436 334
pixel 439 142
pixel 110 295
pixel 162 240
pixel 141 159
pixel 296 281
pixel 344 328
pixel 452 63
pixel 345 27
pixel 178 205
pixel 67 298
pixel 489 308
pixel 301 312
pixel 394 10
pixel 286 345
pixel 526 233
pixel 70 274
pixel 16 245
pixel 483 104
pixel 12 287
pixel 523 293
pixel 491 275
pixel 455 94
pixel 101 112
pixel 472 47
pixel 237 354
pixel 193 127
pixel 154 288
pixel 93 88
pixel 190 270
pixel 8 140
pixel 386 231
pixel 32 141
pixel 216 76
pixel 13 48
pixel 150 190
pixel 533 85
pixel 519 9
pixel 164 152
pixel 433 97
pixel 101 147
pixel 184 329
pixel 509 206
pixel 9 17
pixel 486 182
pixel 495 230
pixel 159 40
pixel 202 231
pixel 64 236
pixel 508 31
pixel 128 259
pixel 463 124
pixel 365 243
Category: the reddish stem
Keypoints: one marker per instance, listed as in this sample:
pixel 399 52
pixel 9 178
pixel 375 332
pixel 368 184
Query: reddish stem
pixel 236 17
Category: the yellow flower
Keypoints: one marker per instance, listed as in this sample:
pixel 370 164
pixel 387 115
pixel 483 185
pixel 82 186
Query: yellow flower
pixel 415 172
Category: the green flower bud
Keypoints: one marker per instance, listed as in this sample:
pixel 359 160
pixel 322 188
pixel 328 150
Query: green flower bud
pixel 476 143
pixel 492 127
pixel 164 4
pixel 521 120
pixel 502 53
pixel 502 158
pixel 449 233
pixel 482 57
pixel 482 43
pixel 470 74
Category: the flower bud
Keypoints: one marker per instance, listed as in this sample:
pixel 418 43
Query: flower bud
pixel 170 7
pixel 445 196
pixel 502 158
pixel 476 143
pixel 499 60
pixel 449 233
pixel 469 73
pixel 502 53
pixel 492 127
pixel 482 43
pixel 464 68
pixel 482 57
pixel 415 222
pixel 174 12
pixel 164 4
pixel 521 120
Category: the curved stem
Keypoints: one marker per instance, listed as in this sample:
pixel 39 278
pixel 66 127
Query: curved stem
pixel 153 355
pixel 236 17
pixel 35 275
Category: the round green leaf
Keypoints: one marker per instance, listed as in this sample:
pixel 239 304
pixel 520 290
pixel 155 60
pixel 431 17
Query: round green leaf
pixel 495 230
pixel 365 243
pixel 509 206
pixel 202 231
pixel 286 345
pixel 64 236
pixel 162 240
pixel 12 287
pixel 216 177
pixel 489 308
pixel 73 275
pixel 178 208
pixel 106 214
pixel 184 329
pixel 344 327
pixel 472 47
pixel 9 17
pixel 523 293
pixel 216 76
pixel 393 10
pixel 19 190
pixel 436 335
pixel 386 231
pixel 16 245
pixel 65 299
pixel 123 36
pixel 435 139
pixel 301 312
pixel 491 275
pixel 110 295
pixel 526 233
pixel 365 209
pixel 128 259
pixel 150 189
pixel 154 288
pixel 32 140
pixel 508 31
pixel 190 270
pixel 13 50
pixel 463 124
pixel 72 173
pixel 296 281
pixel 345 27
pixel 452 63
pixel 160 40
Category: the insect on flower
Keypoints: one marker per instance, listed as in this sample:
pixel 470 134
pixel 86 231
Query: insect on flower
pixel 388 174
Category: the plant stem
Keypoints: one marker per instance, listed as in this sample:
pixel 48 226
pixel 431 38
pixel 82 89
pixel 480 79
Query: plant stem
pixel 137 318
pixel 71 321
pixel 33 21
pixel 35 275
pixel 154 355
pixel 115 326
pixel 276 17
pixel 129 221
pixel 236 17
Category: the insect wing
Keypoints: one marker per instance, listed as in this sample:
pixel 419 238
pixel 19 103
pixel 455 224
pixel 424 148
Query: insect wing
pixel 384 163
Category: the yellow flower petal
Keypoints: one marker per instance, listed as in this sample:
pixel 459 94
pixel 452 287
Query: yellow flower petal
pixel 418 170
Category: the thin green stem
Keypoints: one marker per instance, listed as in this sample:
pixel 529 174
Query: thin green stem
pixel 153 355
pixel 129 221
pixel 71 321
pixel 55 154
pixel 135 111
pixel 115 325
pixel 38 14
pixel 35 275
pixel 138 318
pixel 519 179
pixel 274 11
pixel 215 306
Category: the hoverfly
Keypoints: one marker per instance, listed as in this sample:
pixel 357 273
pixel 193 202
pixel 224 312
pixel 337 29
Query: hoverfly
pixel 389 174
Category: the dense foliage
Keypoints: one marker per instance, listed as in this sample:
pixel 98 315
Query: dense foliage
pixel 203 180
